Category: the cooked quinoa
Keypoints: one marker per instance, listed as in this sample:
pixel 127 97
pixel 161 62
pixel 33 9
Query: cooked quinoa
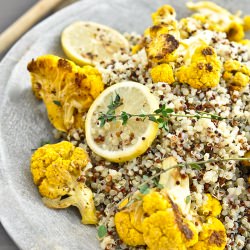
pixel 188 140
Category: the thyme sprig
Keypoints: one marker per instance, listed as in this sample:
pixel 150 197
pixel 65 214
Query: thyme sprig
pixel 144 187
pixel 160 116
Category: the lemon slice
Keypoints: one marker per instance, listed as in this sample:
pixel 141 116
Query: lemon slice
pixel 90 43
pixel 114 141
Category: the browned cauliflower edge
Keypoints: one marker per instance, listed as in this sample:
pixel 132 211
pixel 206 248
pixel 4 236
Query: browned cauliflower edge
pixel 156 222
pixel 66 89
pixel 212 236
pixel 215 18
pixel 204 70
pixel 236 75
pixel 160 220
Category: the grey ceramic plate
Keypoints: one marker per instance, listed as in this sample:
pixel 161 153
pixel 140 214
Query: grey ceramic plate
pixel 24 122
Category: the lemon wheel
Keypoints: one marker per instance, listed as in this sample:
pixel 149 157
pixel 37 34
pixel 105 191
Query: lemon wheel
pixel 90 43
pixel 114 141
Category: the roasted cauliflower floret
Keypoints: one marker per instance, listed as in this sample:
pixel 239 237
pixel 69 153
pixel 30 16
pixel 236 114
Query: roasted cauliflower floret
pixel 218 19
pixel 57 170
pixel 210 207
pixel 155 201
pixel 189 26
pixel 212 237
pixel 203 71
pixel 246 23
pixel 157 219
pixel 66 89
pixel 165 14
pixel 235 31
pixel 236 74
pixel 126 231
pixel 161 40
pixel 166 230
pixel 162 73
pixel 161 49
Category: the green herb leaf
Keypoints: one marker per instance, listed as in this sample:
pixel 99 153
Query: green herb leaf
pixel 102 121
pixel 160 186
pixel 117 99
pixel 144 189
pixel 169 111
pixel 114 104
pixel 188 199
pixel 58 103
pixel 152 118
pixel 138 198
pixel 157 111
pixel 160 116
pixel 125 116
pixel 161 124
pixel 102 231
pixel 195 166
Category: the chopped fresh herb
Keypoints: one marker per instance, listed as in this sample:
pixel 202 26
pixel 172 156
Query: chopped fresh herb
pixel 160 186
pixel 138 198
pixel 195 166
pixel 160 116
pixel 102 231
pixel 145 177
pixel 188 199
pixel 144 189
pixel 58 103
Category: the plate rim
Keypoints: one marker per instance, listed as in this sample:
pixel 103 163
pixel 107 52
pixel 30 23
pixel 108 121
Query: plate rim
pixel 19 49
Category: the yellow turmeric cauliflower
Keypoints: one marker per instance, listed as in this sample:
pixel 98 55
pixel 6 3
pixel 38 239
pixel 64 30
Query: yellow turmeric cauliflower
pixel 155 201
pixel 162 73
pixel 246 23
pixel 211 207
pixel 236 74
pixel 162 37
pixel 66 89
pixel 126 231
pixel 145 219
pixel 188 26
pixel 167 230
pixel 57 170
pixel 216 18
pixel 160 220
pixel 203 71
pixel 212 237
pixel 165 14
pixel 162 48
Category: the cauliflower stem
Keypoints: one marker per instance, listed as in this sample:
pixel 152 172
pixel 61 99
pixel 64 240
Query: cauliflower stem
pixel 81 197
pixel 58 171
